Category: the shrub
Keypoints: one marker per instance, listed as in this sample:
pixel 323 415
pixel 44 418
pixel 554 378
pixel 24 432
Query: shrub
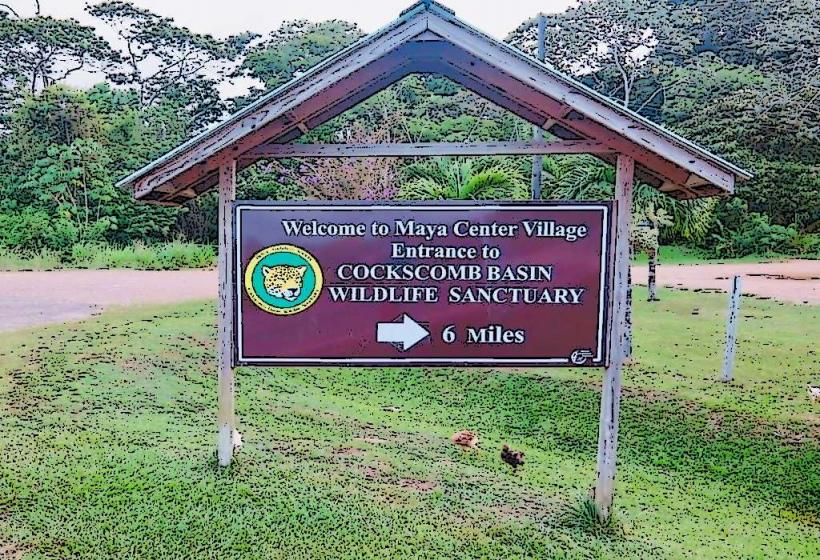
pixel 186 255
pixel 739 233
pixel 31 231
pixel 140 256
pixel 45 259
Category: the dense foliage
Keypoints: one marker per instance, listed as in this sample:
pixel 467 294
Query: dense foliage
pixel 740 77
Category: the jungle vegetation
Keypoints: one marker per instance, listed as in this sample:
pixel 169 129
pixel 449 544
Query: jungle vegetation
pixel 741 78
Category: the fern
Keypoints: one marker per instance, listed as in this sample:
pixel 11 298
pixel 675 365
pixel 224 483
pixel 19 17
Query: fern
pixel 455 179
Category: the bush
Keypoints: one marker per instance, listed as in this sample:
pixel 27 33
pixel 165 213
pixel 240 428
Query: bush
pixel 32 231
pixel 45 259
pixel 739 233
pixel 166 256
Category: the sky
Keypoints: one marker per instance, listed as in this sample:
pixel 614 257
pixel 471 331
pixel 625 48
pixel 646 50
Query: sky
pixel 223 18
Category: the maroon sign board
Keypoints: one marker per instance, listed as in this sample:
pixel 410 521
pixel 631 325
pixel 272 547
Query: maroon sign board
pixel 423 284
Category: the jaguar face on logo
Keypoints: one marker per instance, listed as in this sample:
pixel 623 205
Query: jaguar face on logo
pixel 283 280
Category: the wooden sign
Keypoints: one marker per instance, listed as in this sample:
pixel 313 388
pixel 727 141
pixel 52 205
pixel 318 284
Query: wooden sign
pixel 419 285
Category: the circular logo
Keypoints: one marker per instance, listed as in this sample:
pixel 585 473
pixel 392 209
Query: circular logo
pixel 283 280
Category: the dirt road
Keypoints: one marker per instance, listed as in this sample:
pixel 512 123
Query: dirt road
pixel 790 281
pixel 29 299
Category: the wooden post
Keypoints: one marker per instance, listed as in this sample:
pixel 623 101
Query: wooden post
pixel 731 332
pixel 226 420
pixel 653 275
pixel 537 133
pixel 628 321
pixel 611 393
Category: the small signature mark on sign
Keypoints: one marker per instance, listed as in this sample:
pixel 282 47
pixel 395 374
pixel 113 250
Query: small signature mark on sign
pixel 581 357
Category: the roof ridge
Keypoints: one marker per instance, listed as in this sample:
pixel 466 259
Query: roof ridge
pixel 435 17
pixel 423 5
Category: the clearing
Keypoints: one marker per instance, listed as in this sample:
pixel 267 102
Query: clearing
pixel 107 432
pixel 796 281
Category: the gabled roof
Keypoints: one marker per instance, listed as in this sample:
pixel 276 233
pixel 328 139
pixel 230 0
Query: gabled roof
pixel 428 38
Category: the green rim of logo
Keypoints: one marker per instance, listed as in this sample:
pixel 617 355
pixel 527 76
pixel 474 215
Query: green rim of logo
pixel 283 255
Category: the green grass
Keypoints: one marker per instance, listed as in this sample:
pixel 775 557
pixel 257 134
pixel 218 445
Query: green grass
pixel 674 254
pixel 174 255
pixel 107 431
pixel 43 260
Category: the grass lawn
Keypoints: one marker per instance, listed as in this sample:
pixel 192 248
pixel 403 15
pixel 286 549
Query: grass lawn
pixel 107 439
pixel 174 255
pixel 673 254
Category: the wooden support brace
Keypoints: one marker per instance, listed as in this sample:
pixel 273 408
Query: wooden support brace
pixel 226 415
pixel 537 133
pixel 611 392
pixel 426 149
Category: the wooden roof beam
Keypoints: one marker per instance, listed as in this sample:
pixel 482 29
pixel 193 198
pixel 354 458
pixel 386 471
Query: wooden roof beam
pixel 426 149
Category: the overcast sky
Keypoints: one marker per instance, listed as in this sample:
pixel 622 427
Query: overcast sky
pixel 227 17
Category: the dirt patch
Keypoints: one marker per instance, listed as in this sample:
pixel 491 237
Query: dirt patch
pixel 418 485
pixel 30 299
pixel 349 452
pixel 12 551
pixel 796 281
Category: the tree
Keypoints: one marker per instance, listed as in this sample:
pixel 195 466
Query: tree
pixel 294 48
pixel 166 62
pixel 37 52
pixel 645 238
pixel 57 116
pixel 58 164
pixel 622 47
pixel 72 184
pixel 589 178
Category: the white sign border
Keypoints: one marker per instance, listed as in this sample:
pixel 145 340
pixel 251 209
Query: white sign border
pixel 242 360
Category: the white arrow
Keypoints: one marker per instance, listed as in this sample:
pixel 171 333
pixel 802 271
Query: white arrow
pixel 404 334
